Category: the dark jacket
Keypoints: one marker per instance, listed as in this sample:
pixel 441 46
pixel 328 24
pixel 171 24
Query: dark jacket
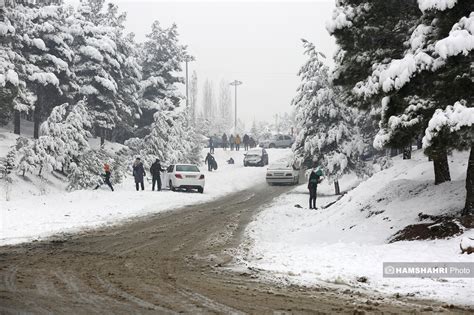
pixel 314 179
pixel 246 139
pixel 138 172
pixel 209 159
pixel 155 169
pixel 106 176
pixel 224 138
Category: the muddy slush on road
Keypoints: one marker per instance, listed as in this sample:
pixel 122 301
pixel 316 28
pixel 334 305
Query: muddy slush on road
pixel 173 262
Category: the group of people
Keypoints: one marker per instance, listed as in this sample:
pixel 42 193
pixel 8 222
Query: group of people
pixel 139 174
pixel 234 143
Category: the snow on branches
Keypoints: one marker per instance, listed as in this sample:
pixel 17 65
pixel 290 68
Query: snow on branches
pixel 439 5
pixel 451 120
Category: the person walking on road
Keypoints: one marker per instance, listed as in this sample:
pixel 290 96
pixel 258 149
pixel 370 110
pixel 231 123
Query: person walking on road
pixel 106 177
pixel 211 145
pixel 246 141
pixel 155 171
pixel 224 142
pixel 237 142
pixel 314 179
pixel 231 142
pixel 138 173
pixel 210 162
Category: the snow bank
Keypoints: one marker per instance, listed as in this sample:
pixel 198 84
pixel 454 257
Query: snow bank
pixel 40 208
pixel 348 240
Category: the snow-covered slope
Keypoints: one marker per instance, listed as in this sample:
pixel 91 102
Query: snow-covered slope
pixel 40 208
pixel 349 239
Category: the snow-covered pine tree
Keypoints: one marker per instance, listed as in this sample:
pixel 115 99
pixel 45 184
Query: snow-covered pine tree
pixel 9 79
pixel 97 68
pixel 434 71
pixel 328 135
pixel 47 52
pixel 86 172
pixel 68 129
pixel 129 77
pixel 369 33
pixel 161 60
pixel 453 128
pixel 169 139
pixel 27 159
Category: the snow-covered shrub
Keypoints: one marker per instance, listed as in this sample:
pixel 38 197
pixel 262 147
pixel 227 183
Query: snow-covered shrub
pixel 27 159
pixel 87 171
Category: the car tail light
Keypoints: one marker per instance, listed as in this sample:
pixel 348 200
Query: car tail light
pixel 288 174
pixel 269 174
pixel 202 176
pixel 178 176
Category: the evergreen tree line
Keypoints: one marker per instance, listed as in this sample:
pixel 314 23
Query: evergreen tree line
pixel 76 73
pixel 403 75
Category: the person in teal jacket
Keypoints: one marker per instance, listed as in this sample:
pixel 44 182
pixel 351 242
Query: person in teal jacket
pixel 315 178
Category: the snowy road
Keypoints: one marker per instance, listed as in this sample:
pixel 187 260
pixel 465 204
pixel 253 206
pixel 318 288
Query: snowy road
pixel 170 262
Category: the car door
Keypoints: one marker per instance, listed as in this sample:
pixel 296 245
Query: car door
pixel 288 141
pixel 168 175
pixel 280 141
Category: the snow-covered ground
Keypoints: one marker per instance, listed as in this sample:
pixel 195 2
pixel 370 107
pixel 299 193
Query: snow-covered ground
pixel 349 239
pixel 39 208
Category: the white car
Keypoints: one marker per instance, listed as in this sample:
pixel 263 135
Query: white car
pixel 282 173
pixel 278 141
pixel 184 176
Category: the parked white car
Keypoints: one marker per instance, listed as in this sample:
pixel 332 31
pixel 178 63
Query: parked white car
pixel 256 157
pixel 184 176
pixel 278 141
pixel 282 173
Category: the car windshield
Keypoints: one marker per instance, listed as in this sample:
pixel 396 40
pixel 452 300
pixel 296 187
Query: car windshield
pixel 187 168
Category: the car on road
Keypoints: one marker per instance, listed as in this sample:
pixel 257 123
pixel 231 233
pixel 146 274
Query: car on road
pixel 256 157
pixel 283 173
pixel 184 176
pixel 277 141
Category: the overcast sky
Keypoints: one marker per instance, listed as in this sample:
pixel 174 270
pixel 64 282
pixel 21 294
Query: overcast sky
pixel 258 43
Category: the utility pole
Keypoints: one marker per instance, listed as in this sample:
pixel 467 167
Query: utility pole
pixel 187 59
pixel 235 84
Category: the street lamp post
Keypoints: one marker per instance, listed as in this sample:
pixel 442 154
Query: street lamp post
pixel 235 84
pixel 187 59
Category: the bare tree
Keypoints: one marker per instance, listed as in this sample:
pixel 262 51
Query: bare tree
pixel 225 106
pixel 208 101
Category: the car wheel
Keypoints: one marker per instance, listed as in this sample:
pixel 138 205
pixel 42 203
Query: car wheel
pixel 201 190
pixel 171 186
pixel 272 145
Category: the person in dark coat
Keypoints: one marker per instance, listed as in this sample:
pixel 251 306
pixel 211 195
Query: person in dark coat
pixel 314 179
pixel 211 145
pixel 230 161
pixel 252 143
pixel 224 142
pixel 231 142
pixel 106 177
pixel 210 162
pixel 139 173
pixel 246 141
pixel 155 171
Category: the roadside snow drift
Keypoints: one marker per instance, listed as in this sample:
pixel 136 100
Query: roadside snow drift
pixel 349 239
pixel 39 208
